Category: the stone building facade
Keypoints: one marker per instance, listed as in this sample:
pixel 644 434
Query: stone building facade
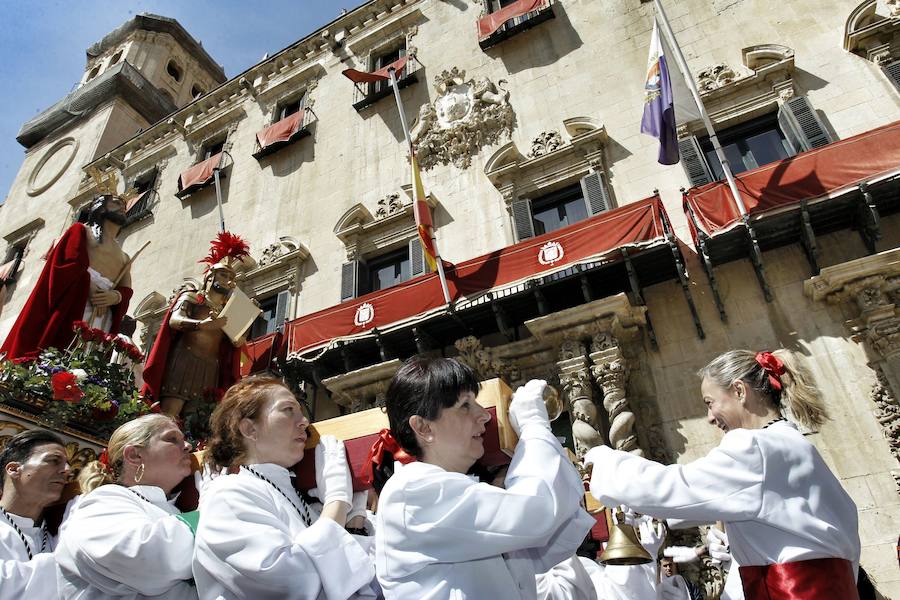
pixel 522 131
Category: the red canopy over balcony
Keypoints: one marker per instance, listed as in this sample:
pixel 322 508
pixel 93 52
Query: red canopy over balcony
pixel 199 175
pixel 278 134
pixel 592 240
pixel 490 23
pixel 818 174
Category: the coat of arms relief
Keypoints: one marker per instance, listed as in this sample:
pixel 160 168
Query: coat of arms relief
pixel 466 116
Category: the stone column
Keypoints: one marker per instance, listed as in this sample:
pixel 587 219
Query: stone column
pixel 578 396
pixel 610 371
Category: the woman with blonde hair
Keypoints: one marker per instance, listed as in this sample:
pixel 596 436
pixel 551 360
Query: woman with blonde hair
pixel 258 537
pixel 125 538
pixel 791 526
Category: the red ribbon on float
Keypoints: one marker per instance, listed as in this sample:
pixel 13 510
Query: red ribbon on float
pixel 772 365
pixel 385 443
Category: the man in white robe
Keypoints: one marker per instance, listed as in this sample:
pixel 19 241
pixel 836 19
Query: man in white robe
pixel 34 471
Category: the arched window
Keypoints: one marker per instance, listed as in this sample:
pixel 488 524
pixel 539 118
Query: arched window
pixel 115 58
pixel 173 70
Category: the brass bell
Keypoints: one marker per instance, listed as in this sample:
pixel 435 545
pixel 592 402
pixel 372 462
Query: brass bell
pixel 624 546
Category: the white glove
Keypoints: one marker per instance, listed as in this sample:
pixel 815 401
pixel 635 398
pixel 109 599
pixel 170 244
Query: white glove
pixel 590 461
pixel 717 542
pixel 332 472
pixel 358 508
pixel 652 534
pixel 204 477
pixel 527 406
pixel 681 554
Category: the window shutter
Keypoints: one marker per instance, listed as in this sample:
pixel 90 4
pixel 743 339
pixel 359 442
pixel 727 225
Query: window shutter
pixel 281 309
pixel 694 162
pixel 893 73
pixel 801 125
pixel 417 265
pixel 349 280
pixel 596 195
pixel 521 216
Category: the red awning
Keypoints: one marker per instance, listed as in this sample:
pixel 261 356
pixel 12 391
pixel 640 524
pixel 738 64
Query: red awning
pixel 135 200
pixel 198 175
pixel 379 75
pixel 260 352
pixel 488 24
pixel 281 131
pixel 825 172
pixel 591 240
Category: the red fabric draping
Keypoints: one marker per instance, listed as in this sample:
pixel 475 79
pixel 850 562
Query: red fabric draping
pixel 588 240
pixel 379 75
pixel 817 579
pixel 488 24
pixel 6 270
pixel 258 353
pixel 199 174
pixel 825 171
pixel 135 200
pixel 281 131
pixel 58 299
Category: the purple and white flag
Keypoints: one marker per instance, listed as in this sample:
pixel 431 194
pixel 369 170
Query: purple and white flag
pixel 659 106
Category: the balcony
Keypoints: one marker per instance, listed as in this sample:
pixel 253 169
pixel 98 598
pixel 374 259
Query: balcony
pixel 283 133
pixel 522 15
pixel 366 94
pixel 140 207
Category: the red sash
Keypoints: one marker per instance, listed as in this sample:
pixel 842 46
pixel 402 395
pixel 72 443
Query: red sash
pixel 816 579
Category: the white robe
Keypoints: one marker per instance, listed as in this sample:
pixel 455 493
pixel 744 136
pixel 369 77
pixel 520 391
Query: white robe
pixel 779 500
pixel 568 580
pixel 620 582
pixel 114 544
pixel 21 578
pixel 252 543
pixel 442 535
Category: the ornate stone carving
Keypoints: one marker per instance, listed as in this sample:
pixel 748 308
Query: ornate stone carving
pixel 609 371
pixel 714 77
pixel 275 251
pixel 466 116
pixel 544 143
pixel 570 348
pixel 712 579
pixel 389 205
pixel 578 395
pixel 484 361
pixel 603 340
pixel 887 412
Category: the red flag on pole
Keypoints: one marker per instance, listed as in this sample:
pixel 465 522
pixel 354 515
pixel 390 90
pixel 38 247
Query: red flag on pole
pixel 379 75
pixel 423 217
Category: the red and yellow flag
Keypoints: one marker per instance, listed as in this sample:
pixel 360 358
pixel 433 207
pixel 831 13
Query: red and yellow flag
pixel 423 217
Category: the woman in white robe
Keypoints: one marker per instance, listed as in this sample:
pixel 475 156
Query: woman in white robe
pixel 791 526
pixel 125 538
pixel 258 538
pixel 441 533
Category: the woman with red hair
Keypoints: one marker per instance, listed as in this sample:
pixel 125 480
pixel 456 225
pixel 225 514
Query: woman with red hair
pixel 791 526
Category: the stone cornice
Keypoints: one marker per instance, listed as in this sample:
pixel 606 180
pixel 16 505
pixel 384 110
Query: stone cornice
pixel 831 281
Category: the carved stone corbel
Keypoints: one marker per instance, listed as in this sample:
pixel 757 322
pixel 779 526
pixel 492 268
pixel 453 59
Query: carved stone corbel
pixel 578 396
pixel 610 371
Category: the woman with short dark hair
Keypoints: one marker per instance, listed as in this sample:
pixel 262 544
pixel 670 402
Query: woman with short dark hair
pixel 441 533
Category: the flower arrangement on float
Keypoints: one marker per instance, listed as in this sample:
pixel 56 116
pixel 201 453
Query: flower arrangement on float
pixel 89 385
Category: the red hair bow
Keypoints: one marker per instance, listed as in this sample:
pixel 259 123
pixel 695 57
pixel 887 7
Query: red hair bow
pixel 385 443
pixel 104 459
pixel 772 365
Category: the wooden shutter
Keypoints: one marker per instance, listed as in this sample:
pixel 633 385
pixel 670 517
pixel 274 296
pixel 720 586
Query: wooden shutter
pixel 596 195
pixel 801 125
pixel 893 73
pixel 694 161
pixel 281 309
pixel 349 280
pixel 521 218
pixel 417 264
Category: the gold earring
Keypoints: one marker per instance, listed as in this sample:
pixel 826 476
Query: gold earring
pixel 139 474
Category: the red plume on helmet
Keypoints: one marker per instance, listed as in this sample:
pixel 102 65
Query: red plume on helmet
pixel 226 246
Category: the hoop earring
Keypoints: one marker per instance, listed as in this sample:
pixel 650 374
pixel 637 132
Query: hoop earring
pixel 139 474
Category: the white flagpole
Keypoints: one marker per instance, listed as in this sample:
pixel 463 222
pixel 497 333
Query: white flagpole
pixel 682 64
pixel 437 255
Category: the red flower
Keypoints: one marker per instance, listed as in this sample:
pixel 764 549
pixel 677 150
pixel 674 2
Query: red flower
pixel 80 326
pixel 65 387
pixel 121 344
pixel 134 354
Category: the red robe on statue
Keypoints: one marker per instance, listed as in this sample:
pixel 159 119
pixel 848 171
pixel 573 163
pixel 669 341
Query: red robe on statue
pixel 155 365
pixel 58 300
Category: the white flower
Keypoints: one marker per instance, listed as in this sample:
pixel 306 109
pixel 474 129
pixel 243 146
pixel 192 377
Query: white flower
pixel 80 374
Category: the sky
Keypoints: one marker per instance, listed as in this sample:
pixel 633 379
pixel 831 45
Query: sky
pixel 43 45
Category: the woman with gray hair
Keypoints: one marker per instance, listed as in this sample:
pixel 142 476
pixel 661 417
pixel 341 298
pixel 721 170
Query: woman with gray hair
pixel 125 538
pixel 791 526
